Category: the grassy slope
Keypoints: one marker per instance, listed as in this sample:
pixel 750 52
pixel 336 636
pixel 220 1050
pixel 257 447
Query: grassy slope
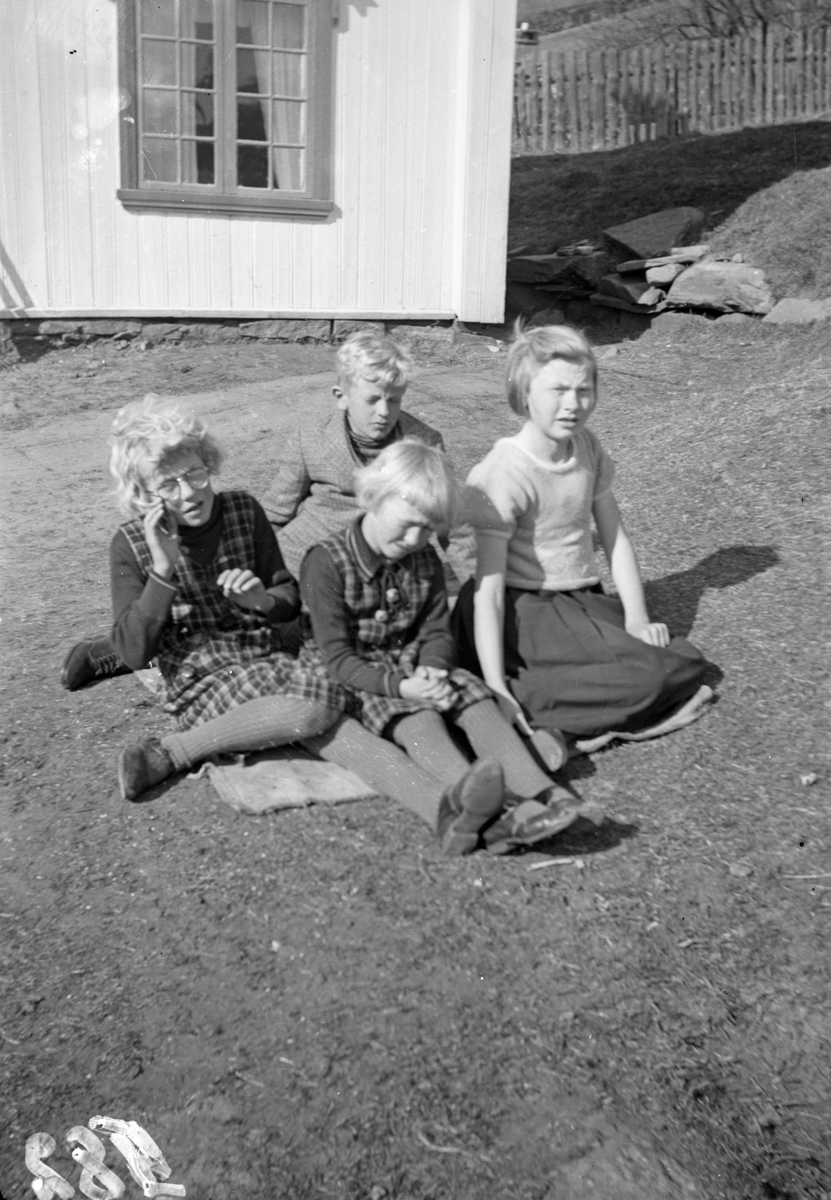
pixel 560 198
pixel 785 230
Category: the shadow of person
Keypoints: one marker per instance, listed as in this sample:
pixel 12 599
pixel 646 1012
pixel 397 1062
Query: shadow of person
pixel 584 838
pixel 674 599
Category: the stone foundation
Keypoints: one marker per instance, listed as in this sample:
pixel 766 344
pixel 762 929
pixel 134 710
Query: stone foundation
pixel 145 334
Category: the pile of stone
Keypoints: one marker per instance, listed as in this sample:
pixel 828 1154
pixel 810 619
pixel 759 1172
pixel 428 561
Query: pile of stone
pixel 648 266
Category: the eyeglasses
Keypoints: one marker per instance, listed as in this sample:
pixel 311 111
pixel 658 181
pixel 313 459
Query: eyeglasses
pixel 196 478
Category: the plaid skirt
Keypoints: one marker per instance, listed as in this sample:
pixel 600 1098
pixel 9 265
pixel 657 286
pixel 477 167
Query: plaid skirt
pixel 376 712
pixel 226 670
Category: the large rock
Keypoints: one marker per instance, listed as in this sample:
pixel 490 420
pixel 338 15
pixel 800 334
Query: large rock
pixel 664 274
pixel 626 287
pixel 342 327
pixel 657 234
pixel 59 328
pixel 156 332
pixel 724 286
pixel 287 330
pixel 8 351
pixel 539 268
pixel 672 322
pixel 107 328
pixel 794 310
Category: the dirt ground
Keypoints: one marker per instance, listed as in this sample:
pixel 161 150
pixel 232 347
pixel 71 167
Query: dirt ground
pixel 316 1003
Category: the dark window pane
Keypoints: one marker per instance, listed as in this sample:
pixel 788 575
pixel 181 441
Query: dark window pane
pixel 289 26
pixel 289 122
pixel 158 62
pixel 197 66
pixel 252 71
pixel 252 166
pixel 160 112
pixel 252 23
pixel 158 16
pixel 289 169
pixel 198 114
pixel 251 121
pixel 289 74
pixel 205 161
pixel 160 160
pixel 196 18
pixel 197 162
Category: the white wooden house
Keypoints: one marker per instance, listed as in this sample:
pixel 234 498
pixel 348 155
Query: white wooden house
pixel 253 158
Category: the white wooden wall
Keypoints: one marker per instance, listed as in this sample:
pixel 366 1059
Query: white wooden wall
pixel 422 159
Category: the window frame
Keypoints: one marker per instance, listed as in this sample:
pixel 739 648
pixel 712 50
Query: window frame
pixel 315 202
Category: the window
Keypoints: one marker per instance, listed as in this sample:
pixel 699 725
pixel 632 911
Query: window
pixel 230 105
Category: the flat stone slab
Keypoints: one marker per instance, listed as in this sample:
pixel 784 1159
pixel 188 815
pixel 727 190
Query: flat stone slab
pixel 285 778
pixel 794 310
pixel 539 268
pixel 656 234
pixel 724 286
pixel 625 287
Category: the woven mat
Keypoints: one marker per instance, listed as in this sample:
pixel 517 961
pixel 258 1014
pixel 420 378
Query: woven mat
pixel 286 778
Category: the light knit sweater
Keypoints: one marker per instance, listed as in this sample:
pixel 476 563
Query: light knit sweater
pixel 542 509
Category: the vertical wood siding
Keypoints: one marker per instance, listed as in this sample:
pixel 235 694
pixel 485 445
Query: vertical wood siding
pixel 422 147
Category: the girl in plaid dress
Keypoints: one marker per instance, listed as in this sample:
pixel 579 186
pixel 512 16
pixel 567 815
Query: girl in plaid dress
pixel 199 584
pixel 375 604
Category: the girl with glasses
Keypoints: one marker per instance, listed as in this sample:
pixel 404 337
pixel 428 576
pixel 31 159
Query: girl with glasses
pixel 199 585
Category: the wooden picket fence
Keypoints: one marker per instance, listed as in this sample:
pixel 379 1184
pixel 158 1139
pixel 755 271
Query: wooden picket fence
pixel 574 101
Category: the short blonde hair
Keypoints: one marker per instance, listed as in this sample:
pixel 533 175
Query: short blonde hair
pixel 370 354
pixel 419 474
pixel 146 435
pixel 533 347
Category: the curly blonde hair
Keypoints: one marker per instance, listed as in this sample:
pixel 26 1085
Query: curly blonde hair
pixel 419 474
pixel 147 435
pixel 535 346
pixel 371 354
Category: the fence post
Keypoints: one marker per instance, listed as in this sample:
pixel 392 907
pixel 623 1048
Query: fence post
pixel 571 100
pixel 545 100
pixel 659 92
pixel 597 98
pixel 758 56
pixel 558 97
pixel 727 77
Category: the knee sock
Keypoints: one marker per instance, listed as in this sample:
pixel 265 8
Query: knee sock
pixel 256 725
pixel 380 764
pixel 425 738
pixel 491 736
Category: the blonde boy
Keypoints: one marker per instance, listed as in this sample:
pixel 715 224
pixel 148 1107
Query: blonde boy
pixel 313 494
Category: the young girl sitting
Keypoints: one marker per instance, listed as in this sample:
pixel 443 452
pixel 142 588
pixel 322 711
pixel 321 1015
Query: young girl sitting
pixel 199 584
pixel 556 651
pixel 377 610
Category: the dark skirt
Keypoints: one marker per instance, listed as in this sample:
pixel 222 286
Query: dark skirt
pixel 572 666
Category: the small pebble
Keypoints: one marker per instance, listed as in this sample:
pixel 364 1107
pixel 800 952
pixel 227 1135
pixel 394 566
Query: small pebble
pixel 807 780
pixel 740 870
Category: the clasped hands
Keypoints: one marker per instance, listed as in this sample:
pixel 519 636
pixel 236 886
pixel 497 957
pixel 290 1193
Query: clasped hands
pixel 430 685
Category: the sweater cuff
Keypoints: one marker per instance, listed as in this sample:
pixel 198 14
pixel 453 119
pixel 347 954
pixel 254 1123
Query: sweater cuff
pixel 392 682
pixel 157 597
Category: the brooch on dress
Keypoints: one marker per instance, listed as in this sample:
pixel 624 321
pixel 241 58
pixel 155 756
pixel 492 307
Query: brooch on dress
pixel 391 596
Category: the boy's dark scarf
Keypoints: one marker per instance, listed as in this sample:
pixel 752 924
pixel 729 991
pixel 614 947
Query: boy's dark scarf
pixel 364 448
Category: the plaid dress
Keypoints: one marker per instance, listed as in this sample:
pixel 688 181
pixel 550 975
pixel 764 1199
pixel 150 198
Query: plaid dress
pixel 395 642
pixel 214 655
